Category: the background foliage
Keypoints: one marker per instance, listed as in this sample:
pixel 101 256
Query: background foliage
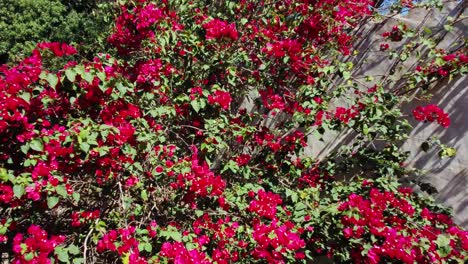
pixel 23 23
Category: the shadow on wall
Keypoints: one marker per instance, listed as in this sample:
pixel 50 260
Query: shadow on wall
pixel 449 176
pixel 455 192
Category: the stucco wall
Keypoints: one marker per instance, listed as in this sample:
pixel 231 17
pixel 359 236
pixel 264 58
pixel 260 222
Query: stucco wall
pixel 450 175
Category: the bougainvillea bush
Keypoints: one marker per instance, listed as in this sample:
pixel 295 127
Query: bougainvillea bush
pixel 185 143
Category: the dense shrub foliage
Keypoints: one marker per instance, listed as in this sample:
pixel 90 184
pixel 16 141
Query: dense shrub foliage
pixel 185 143
pixel 23 23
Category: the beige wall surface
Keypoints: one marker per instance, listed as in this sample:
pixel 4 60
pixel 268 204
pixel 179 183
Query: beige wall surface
pixel 449 175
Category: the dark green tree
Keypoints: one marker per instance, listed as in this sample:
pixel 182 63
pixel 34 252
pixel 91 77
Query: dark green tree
pixel 23 23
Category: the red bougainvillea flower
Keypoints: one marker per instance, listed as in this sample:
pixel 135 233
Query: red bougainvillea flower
pixel 266 204
pixel 180 254
pixel 6 193
pixel 218 29
pixel 346 114
pixel 222 98
pixel 147 16
pixel 407 3
pixel 431 113
pixel 396 34
pixel 384 46
pixel 59 49
pixel 37 243
pixel 243 159
pixel 274 239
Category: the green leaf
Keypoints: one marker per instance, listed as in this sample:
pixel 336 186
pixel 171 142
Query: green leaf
pixel 144 195
pixel 3 175
pixel 294 197
pixel 61 190
pixel 76 197
pixel 83 134
pixel 199 213
pixel 451 152
pixel 202 104
pixel 176 236
pixel 101 76
pixel 333 209
pixel 88 77
pixel 37 145
pixel 443 245
pixel 447 152
pixel 25 96
pixel 172 234
pixel 18 191
pixel 52 201
pixel 25 148
pixel 196 105
pixel 365 129
pixel 122 89
pixel 191 246
pixel 126 258
pixel 148 247
pixel 80 69
pixel 62 254
pixel 78 261
pixel 448 27
pixel 300 206
pixel 52 79
pixel 403 57
pixel 29 256
pixel 74 250
pixel 346 75
pixel 85 147
pixel 71 74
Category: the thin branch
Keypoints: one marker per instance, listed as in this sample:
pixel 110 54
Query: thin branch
pixel 85 245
